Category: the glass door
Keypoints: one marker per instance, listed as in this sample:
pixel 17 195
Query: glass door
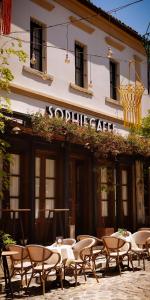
pixel 45 187
pixel 78 195
pixel 12 217
pixel 106 196
pixel 115 207
pixel 123 201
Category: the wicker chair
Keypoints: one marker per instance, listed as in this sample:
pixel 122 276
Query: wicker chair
pixel 140 237
pixel 116 250
pixel 82 262
pixel 97 249
pixel 147 245
pixel 20 264
pixel 140 245
pixel 144 228
pixel 38 256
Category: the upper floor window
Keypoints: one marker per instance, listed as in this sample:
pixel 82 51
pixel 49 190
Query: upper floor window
pixel 37 54
pixel 113 80
pixel 80 65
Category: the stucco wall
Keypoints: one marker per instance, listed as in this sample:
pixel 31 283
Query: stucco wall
pixel 65 73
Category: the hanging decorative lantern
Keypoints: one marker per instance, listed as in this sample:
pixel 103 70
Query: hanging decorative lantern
pixel 90 83
pixel 130 98
pixel 67 60
pixel 5 16
pixel 33 59
pixel 109 53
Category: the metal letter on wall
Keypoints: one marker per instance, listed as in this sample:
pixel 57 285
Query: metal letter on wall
pixel 139 187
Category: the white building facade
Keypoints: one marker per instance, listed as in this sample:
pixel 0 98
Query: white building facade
pixel 78 56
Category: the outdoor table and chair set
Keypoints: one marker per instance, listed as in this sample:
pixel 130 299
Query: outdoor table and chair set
pixel 70 257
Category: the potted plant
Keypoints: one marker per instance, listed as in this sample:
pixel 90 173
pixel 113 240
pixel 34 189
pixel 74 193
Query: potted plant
pixel 5 240
pixel 123 232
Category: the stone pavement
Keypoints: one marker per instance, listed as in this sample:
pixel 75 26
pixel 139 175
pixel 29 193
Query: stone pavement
pixel 129 286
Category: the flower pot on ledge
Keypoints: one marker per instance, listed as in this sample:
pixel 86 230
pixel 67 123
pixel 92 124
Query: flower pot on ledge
pixel 101 231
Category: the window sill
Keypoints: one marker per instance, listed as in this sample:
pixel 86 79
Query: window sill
pixel 112 101
pixel 42 75
pixel 81 89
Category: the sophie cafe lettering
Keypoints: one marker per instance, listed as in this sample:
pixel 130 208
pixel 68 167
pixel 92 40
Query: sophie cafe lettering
pixel 80 119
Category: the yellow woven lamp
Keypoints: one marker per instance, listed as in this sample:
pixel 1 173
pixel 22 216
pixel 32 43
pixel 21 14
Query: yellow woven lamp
pixel 130 98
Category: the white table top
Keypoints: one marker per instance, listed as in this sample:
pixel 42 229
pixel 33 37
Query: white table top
pixel 9 253
pixel 127 238
pixel 65 251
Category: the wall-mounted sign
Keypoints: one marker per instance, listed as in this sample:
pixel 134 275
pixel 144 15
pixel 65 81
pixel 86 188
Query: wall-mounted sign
pixel 80 119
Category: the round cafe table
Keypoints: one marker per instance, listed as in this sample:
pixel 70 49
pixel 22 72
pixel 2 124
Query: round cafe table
pixel 65 251
pixel 7 276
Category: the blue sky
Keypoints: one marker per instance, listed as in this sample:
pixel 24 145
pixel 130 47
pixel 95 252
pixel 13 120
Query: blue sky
pixel 136 16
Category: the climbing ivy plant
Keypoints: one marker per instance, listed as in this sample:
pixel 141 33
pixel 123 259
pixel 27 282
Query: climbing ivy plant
pixel 144 129
pixel 7 51
pixel 100 143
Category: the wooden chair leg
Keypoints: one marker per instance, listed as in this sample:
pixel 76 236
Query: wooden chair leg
pixel 118 264
pixel 94 273
pixel 60 277
pixel 83 268
pixel 21 280
pixel 143 263
pixel 43 285
pixel 131 261
pixel 29 281
pixel 107 264
pixel 75 275
pixel 26 279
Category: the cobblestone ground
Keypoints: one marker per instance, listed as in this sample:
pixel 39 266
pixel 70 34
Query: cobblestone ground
pixel 129 286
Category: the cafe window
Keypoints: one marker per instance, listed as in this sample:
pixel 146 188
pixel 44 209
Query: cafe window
pixel 37 185
pixel 49 186
pixel 107 189
pixel 37 49
pixel 124 192
pixel 146 174
pixel 104 192
pixel 14 190
pixel 44 186
pixel 114 82
pixel 80 65
pixel 115 189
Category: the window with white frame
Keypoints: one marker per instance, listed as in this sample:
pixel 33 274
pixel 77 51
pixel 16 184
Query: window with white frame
pixel 37 186
pixel 124 192
pixel 44 185
pixel 104 191
pixel 14 190
pixel 49 186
